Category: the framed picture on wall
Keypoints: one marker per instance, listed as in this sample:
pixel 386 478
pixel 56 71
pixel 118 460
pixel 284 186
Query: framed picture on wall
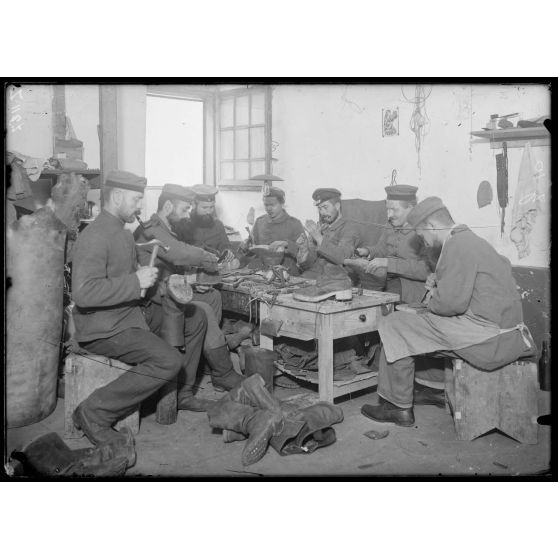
pixel 390 122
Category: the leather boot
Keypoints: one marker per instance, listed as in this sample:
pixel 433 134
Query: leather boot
pixel 261 361
pixel 187 401
pixel 49 456
pixel 388 412
pixel 121 442
pixel 251 391
pixel 340 288
pixel 235 339
pixel 425 395
pixel 223 375
pixel 258 425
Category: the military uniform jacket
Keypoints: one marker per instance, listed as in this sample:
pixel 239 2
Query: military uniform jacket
pixel 179 254
pixel 213 238
pixel 105 287
pixel 404 265
pixel 285 227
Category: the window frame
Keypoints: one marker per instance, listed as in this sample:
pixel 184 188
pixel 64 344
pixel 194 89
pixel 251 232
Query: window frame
pixel 243 184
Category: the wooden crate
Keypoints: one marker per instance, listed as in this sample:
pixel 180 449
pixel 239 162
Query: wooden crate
pixel 84 374
pixel 506 399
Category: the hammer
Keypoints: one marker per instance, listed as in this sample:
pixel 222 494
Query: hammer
pixel 155 243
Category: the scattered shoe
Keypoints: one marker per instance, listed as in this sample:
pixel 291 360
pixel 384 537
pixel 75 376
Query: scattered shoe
pixel 195 404
pixel 341 289
pixel 388 412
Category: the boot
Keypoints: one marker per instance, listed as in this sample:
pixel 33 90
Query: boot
pixel 388 412
pixel 186 401
pixel 49 456
pixel 235 339
pixel 258 425
pixel 261 361
pixel 340 288
pixel 121 442
pixel 425 395
pixel 223 376
pixel 253 392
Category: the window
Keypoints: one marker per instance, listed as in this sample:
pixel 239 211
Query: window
pixel 244 135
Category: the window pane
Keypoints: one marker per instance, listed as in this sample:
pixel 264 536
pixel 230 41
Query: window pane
pixel 257 143
pixel 241 144
pixel 258 108
pixel 227 145
pixel 227 170
pixel 242 111
pixel 227 106
pixel 257 167
pixel 241 171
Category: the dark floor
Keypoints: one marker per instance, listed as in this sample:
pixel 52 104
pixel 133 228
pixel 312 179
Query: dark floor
pixel 190 448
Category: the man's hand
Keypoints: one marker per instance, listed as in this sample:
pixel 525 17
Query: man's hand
pixel 377 264
pixel 314 231
pixel 303 249
pixel 278 245
pixel 147 276
pixel 430 282
pixel 362 252
pixel 209 262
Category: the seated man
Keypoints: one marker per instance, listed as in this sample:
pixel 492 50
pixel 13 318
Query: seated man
pixel 332 241
pixel 203 229
pixel 106 287
pixel 277 229
pixel 474 313
pixel 396 251
pixel 173 205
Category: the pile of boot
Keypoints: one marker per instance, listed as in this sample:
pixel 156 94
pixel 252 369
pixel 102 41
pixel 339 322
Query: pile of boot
pixel 250 411
pixel 326 287
pixel 49 456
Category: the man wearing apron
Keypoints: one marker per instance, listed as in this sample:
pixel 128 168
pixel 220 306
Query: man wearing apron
pixel 474 313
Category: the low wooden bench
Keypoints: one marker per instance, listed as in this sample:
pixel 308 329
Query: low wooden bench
pixel 83 375
pixel 506 399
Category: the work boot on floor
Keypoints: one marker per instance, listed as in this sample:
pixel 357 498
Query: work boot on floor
pixel 425 395
pixel 188 402
pixel 258 425
pixel 223 375
pixel 235 339
pixel 261 361
pixel 388 412
pixel 120 442
pixel 341 289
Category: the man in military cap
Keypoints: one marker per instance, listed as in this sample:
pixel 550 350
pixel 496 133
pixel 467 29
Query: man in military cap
pixel 332 240
pixel 174 318
pixel 106 287
pixel 397 251
pixel 278 229
pixel 473 312
pixel 203 229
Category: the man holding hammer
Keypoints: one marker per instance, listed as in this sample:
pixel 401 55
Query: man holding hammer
pixel 106 289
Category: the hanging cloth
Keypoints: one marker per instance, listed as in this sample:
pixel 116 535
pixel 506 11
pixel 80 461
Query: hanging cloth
pixel 502 183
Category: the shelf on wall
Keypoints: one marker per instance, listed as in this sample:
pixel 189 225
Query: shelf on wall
pixel 514 137
pixel 57 172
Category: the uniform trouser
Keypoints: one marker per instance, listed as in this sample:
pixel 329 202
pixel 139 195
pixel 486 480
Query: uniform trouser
pixel 156 363
pixel 213 298
pixel 194 329
pixel 396 379
pixel 174 323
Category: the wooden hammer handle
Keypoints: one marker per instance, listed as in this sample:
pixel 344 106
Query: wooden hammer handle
pixel 151 262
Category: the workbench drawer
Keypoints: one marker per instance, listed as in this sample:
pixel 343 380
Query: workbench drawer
pixel 357 321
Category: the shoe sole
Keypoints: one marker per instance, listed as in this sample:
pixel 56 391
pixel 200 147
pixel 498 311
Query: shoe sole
pixel 397 423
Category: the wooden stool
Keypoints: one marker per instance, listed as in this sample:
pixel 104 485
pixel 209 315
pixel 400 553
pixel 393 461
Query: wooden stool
pixel 506 399
pixel 83 375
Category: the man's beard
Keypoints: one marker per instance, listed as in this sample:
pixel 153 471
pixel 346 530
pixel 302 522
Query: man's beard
pixel 204 221
pixel 429 254
pixel 328 219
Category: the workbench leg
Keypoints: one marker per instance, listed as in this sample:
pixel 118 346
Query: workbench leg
pixel 325 358
pixel 265 341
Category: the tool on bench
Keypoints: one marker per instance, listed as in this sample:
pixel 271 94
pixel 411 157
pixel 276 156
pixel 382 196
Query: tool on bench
pixel 502 183
pixel 155 243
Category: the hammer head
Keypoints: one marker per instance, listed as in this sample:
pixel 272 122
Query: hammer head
pixel 153 242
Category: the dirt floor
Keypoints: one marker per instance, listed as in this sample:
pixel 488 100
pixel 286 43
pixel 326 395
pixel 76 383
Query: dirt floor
pixel 190 448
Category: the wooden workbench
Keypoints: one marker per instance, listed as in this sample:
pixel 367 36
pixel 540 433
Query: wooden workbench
pixel 326 321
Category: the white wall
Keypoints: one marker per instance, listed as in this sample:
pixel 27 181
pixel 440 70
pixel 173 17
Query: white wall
pixel 331 136
pixel 130 115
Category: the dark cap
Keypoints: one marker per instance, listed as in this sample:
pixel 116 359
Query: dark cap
pixel 402 192
pixel 204 192
pixel 178 192
pixel 125 180
pixel 424 209
pixel 274 192
pixel 323 194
